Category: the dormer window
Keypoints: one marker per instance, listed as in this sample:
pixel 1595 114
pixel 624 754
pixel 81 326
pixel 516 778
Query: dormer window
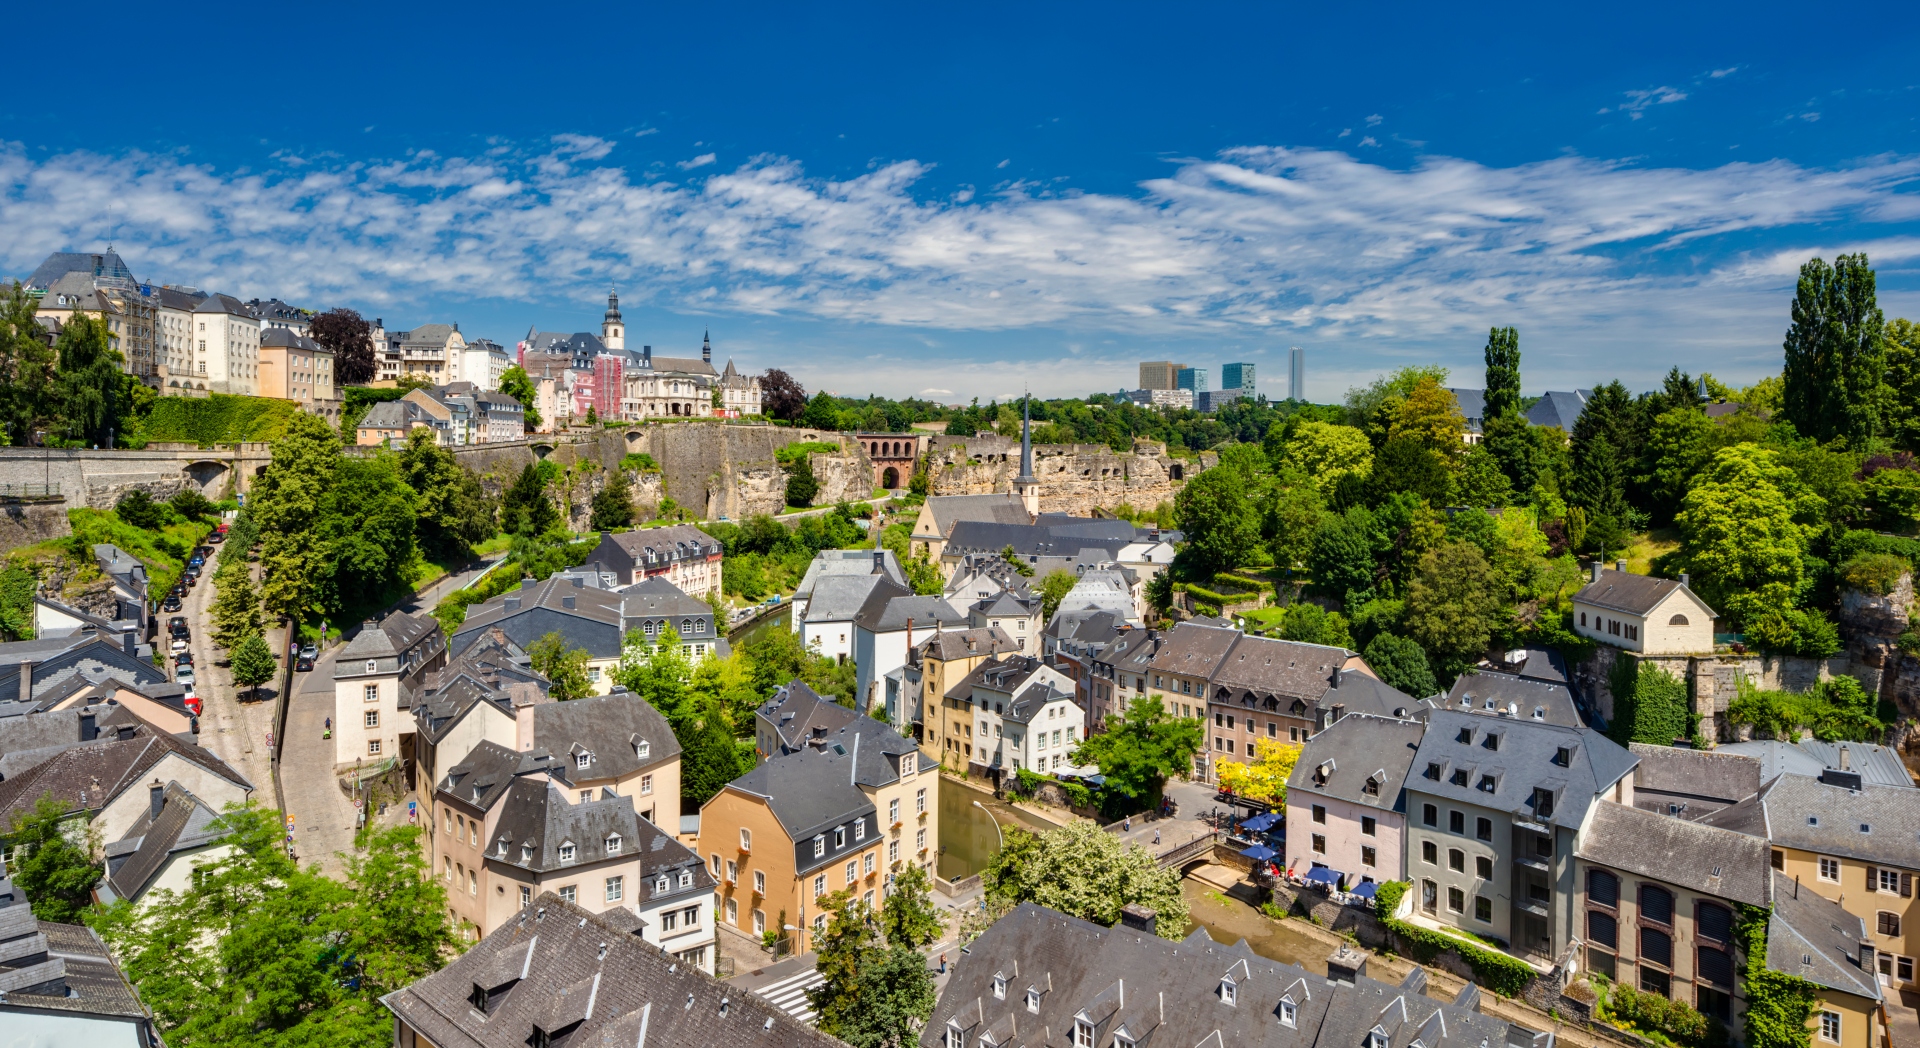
pixel 1542 803
pixel 860 830
pixel 1289 1015
pixel 478 998
pixel 1227 992
pixel 839 836
pixel 372 666
pixel 1435 772
pixel 955 1038
pixel 999 987
pixel 642 749
pixel 1465 737
pixel 566 852
pixel 581 760
pixel 1459 777
pixel 1487 784
pixel 819 845
pixel 613 844
pixel 1082 1034
pixel 660 884
pixel 1376 1038
pixel 1121 1039
pixel 1372 788
pixel 1563 756
pixel 686 878
pixel 1493 741
pixel 1033 1000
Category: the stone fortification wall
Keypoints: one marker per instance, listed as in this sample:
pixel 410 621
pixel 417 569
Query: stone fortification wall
pixel 97 477
pixel 1074 478
pixel 25 523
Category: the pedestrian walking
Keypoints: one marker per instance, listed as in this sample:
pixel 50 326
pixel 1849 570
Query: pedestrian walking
pixel 1128 824
pixel 1156 837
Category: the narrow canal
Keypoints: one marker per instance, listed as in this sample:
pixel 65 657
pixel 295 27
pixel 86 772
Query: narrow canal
pixel 1229 920
pixel 968 834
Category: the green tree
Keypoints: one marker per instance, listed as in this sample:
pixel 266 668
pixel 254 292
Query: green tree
pixel 137 509
pixel 564 667
pixel 802 485
pixel 27 369
pixel 1502 397
pixel 1677 449
pixel 1141 749
pixel 252 662
pixel 822 413
pixel 1310 623
pixel 710 756
pixel 1245 459
pixel 1342 560
pixel 1901 406
pixel 56 873
pixel 261 952
pixel 1482 480
pixel 190 504
pixel 452 509
pixel 286 504
pixel 525 507
pixel 515 382
pixel 908 915
pixel 1324 452
pixel 1835 352
pixel 236 605
pixel 1399 663
pixel 1160 592
pixel 88 380
pixel 1372 408
pixel 1219 521
pixel 1452 605
pixel 1599 454
pixel 366 530
pixel 875 995
pixel 1744 529
pixel 1082 870
pixel 17 590
pixel 613 504
pixel 1292 515
pixel 1053 588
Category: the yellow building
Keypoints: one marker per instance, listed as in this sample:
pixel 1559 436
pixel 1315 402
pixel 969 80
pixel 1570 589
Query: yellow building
pixel 1812 937
pixel 295 367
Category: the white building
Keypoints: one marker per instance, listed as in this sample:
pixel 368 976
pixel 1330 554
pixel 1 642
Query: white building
pixel 1024 716
pixel 227 345
pixel 481 362
pixel 435 351
pixel 739 394
pixel 1644 614
pixel 886 627
pixel 834 589
pixel 173 323
pixel 373 679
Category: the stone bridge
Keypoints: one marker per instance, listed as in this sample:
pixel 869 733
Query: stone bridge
pixel 96 477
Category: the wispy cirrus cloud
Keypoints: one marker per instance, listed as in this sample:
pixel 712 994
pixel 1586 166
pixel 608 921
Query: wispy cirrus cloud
pixel 1638 102
pixel 1254 241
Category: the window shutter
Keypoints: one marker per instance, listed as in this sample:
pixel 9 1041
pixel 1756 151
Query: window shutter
pixel 1906 885
pixel 1873 879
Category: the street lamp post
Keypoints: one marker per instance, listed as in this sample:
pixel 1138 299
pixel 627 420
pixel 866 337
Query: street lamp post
pixel 996 824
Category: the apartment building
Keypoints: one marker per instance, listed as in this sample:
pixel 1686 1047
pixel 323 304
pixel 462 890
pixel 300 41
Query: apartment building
pixel 1120 673
pixel 227 344
pixel 1284 691
pixel 1817 939
pixel 1851 841
pixel 1656 898
pixel 174 339
pixel 1493 805
pixel 102 285
pixel 615 744
pixel 373 681
pixel 1024 716
pixel 1346 799
pixel 1160 374
pixel 933 685
pixel 681 553
pixel 433 351
pixel 295 367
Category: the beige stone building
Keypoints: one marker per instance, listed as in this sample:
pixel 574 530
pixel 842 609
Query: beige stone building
pixel 1642 614
pixel 295 367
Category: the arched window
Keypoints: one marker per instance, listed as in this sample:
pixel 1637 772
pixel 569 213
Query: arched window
pixel 1601 929
pixel 1656 904
pixel 1677 620
pixel 1603 888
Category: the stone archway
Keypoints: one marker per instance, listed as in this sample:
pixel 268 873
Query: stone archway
pixel 890 479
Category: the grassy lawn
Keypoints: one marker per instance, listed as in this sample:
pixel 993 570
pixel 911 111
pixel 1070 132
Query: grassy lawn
pixel 1645 547
pixel 164 552
pixel 1262 618
pixel 496 544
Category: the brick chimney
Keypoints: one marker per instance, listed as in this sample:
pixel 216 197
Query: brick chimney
pixel 1138 917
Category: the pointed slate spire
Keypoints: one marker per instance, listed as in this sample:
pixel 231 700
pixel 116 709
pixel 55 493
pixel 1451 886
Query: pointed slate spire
pixel 706 346
pixel 1026 442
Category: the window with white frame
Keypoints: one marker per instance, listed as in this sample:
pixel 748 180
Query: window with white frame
pixel 686 878
pixel 1830 1027
pixel 860 830
pixel 1033 1000
pixel 746 839
pixel 1829 869
pixel 1289 1015
pixel 613 844
pixel 566 852
pixel 581 760
pixel 1228 993
pixel 616 888
pixel 852 871
pixel 819 845
pixel 1082 1034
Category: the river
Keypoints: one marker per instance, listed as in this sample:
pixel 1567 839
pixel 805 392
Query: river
pixel 968 839
pixel 739 638
pixel 1229 920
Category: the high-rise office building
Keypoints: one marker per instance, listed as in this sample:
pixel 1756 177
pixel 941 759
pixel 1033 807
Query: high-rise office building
pixel 1237 376
pixel 1191 378
pixel 1159 374
pixel 1297 375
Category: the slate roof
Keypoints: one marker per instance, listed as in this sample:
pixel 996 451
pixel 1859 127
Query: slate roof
pixel 611 729
pixel 808 790
pixel 597 611
pixel 185 823
pixel 1559 408
pixel 1626 592
pixel 1876 824
pixel 833 562
pixel 839 598
pixel 878 743
pixel 1354 749
pixel 1167 993
pixel 87 777
pixel 1085 626
pixel 179 298
pixel 954 644
pixel 1361 692
pixel 483 778
pixel 537 821
pixel 1700 858
pixel 886 612
pixel 799 713
pixel 1005 675
pixel 1523 760
pixel 218 303
pixel 85 979
pixel 1473 406
pixel 1713 776
pixel 61 263
pixel 1196 651
pixel 36 730
pixel 658 598
pixel 680 365
pixel 673 542
pixel 287 338
pixel 493 670
pixel 1261 665
pixel 1027 540
pixel 1505 691
pixel 390 414
pixel 1034 697
pixel 1816 939
pixel 566 971
pixel 950 510
pixel 1875 764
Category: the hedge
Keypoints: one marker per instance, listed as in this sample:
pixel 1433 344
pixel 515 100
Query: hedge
pixel 1504 975
pixel 217 419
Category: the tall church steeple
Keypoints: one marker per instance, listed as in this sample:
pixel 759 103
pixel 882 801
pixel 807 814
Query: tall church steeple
pixel 706 347
pixel 613 333
pixel 1026 485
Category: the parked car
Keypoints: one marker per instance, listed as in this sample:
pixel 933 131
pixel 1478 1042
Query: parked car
pixel 179 590
pixel 193 703
pixel 185 658
pixel 309 652
pixel 183 675
pixel 192 578
pixel 218 536
pixel 304 663
pixel 196 560
pixel 177 620
pixel 177 645
pixel 170 604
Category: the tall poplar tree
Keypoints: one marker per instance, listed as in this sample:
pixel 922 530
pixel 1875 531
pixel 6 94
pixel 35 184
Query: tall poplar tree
pixel 286 503
pixel 1835 352
pixel 1503 430
pixel 1503 372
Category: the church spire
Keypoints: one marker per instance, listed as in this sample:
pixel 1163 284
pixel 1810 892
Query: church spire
pixel 613 331
pixel 706 346
pixel 1026 486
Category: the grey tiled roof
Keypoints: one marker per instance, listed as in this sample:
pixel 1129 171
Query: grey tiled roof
pixel 1627 592
pixel 1353 750
pixel 887 611
pixel 949 510
pixel 1809 757
pixel 1876 824
pixel 839 598
pixel 1553 702
pixel 961 644
pixel 89 776
pixel 184 823
pixel 807 790
pixel 1033 697
pixel 673 542
pixel 1523 760
pixel 611 730
pixel 1561 409
pixel 61 263
pixel 832 562
pixel 1711 775
pixel 489 769
pixel 1697 857
pixel 1197 651
pixel 1167 993
pixel 1261 665
pixel 1816 939
pixel 562 969
pixel 798 713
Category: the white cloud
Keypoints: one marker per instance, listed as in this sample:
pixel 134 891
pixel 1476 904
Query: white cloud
pixel 644 132
pixel 936 393
pixel 700 161
pixel 1344 132
pixel 1256 244
pixel 1374 120
pixel 1639 101
pixel 582 147
pixel 1369 141
pixel 1004 163
pixel 1728 71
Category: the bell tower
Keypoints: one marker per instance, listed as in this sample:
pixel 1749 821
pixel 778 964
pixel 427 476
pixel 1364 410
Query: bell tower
pixel 613 333
pixel 1026 485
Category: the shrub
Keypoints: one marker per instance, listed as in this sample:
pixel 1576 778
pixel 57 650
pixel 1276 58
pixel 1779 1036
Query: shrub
pixel 1504 975
pixel 137 509
pixel 1677 1021
pixel 218 418
pixel 638 462
pixel 1835 710
pixel 1805 632
pixel 1649 705
pixel 1875 573
pixel 790 454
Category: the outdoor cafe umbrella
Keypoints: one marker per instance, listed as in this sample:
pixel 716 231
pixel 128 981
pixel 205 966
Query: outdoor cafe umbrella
pixel 1259 853
pixel 1260 823
pixel 1325 875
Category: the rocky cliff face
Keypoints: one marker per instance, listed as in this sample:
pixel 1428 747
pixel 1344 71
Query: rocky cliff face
pixel 1074 478
pixel 1872 625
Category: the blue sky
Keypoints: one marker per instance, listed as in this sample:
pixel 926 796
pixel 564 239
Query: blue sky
pixel 960 202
